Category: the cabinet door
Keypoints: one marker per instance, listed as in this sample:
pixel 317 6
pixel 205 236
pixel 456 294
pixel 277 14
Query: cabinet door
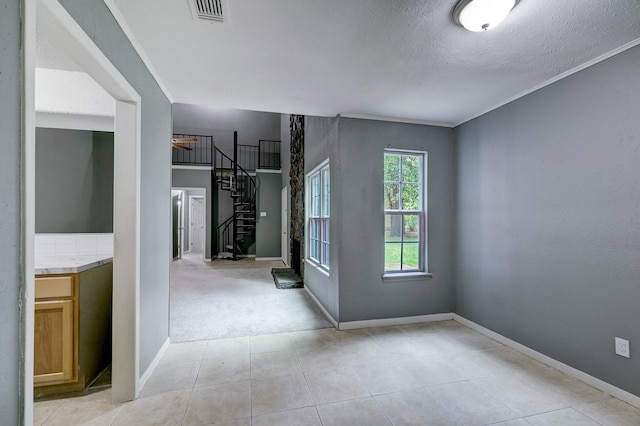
pixel 53 347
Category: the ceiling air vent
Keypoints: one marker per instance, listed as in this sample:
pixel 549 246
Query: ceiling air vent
pixel 209 9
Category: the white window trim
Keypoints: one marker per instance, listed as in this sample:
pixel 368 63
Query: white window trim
pixel 422 272
pixel 317 171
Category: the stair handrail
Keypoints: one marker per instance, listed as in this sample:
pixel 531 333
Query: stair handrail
pixel 223 228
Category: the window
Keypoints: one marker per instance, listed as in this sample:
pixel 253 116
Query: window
pixel 319 186
pixel 404 211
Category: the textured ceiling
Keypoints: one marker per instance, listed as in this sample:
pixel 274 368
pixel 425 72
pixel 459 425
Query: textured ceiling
pixel 402 58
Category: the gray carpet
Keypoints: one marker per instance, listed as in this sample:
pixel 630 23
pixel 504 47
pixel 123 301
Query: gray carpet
pixel 232 299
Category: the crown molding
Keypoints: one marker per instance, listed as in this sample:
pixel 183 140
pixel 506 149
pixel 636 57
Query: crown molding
pixel 395 119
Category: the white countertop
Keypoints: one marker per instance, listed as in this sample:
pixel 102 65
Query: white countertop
pixel 61 264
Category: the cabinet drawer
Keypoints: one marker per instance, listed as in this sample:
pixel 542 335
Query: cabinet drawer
pixel 48 287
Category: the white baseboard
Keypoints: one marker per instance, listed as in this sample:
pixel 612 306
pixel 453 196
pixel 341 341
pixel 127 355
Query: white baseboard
pixel 384 322
pixel 614 391
pixel 322 309
pixel 352 325
pixel 154 364
pixel 259 259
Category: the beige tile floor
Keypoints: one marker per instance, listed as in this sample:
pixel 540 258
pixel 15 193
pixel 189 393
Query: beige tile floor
pixel 426 374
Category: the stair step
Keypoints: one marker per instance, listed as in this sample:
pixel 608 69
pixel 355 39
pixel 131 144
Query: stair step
pixel 225 254
pixel 245 232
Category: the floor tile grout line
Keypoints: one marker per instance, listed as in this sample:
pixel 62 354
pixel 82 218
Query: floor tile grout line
pixel 304 374
pixel 587 415
pixel 51 415
pixel 559 409
pixel 318 414
pixel 186 410
pixel 383 411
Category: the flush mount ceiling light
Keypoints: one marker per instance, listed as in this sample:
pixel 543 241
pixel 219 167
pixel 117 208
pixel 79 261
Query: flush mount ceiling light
pixel 481 15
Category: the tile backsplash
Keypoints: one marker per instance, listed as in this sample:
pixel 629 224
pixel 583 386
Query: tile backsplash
pixel 73 244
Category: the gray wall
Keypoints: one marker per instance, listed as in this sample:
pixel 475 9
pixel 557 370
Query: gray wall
pixel 155 227
pixel 357 188
pixel 354 289
pixel 11 265
pixel 320 144
pixel 197 179
pixel 268 228
pixel 102 199
pixel 74 181
pixel 220 123
pixel 549 220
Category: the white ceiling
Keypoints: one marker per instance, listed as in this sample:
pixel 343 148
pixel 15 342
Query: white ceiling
pixel 395 58
pixel 65 95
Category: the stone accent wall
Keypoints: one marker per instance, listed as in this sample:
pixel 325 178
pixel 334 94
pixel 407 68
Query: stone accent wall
pixel 296 181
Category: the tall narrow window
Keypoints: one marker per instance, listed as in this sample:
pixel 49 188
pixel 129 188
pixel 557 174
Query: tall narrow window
pixel 319 185
pixel 404 211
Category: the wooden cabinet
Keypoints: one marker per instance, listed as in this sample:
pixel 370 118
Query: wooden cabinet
pixel 56 330
pixel 54 341
pixel 72 336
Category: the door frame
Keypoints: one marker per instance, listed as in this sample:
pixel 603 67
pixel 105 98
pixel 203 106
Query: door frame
pixel 51 17
pixel 204 227
pixel 180 221
pixel 187 189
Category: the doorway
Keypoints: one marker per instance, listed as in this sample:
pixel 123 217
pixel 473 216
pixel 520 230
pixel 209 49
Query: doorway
pixel 196 223
pixel 177 223
pixel 189 227
pixel 52 21
pixel 284 243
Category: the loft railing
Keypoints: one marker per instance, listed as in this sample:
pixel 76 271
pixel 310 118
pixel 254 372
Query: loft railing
pixel 268 154
pixel 265 155
pixel 198 153
pixel 248 156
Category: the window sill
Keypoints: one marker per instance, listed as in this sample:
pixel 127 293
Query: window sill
pixel 318 267
pixel 406 276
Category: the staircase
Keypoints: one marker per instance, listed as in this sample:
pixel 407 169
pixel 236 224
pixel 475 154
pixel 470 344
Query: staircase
pixel 237 232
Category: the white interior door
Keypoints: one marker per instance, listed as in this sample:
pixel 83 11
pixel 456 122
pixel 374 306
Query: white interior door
pixel 284 250
pixel 196 221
